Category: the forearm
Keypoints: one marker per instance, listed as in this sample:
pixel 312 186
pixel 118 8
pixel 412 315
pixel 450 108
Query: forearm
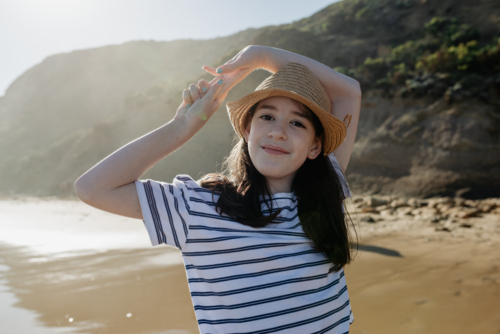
pixel 336 84
pixel 131 161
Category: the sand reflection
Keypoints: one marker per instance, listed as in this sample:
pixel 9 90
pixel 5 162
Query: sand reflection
pixel 108 292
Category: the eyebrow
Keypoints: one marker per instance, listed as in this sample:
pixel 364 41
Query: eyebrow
pixel 269 106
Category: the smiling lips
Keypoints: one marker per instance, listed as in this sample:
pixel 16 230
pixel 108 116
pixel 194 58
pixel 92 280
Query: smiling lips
pixel 271 149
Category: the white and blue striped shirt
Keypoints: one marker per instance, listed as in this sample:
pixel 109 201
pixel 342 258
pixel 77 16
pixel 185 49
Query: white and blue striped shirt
pixel 244 279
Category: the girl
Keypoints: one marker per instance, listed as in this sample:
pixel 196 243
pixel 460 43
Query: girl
pixel 265 243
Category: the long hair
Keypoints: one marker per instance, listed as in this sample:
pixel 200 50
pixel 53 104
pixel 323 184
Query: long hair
pixel 316 185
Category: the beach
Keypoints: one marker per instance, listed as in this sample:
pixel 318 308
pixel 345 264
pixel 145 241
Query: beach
pixel 66 267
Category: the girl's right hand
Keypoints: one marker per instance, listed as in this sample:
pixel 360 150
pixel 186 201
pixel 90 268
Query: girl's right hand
pixel 200 101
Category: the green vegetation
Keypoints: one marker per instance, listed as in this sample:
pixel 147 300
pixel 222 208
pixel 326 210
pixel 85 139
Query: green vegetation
pixel 448 58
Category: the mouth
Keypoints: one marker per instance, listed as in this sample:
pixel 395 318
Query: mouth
pixel 274 149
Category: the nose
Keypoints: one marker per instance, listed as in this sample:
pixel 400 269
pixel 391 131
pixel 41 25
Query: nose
pixel 278 130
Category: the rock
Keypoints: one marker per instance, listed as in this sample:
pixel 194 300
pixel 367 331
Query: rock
pixel 435 218
pixel 434 202
pixel 471 203
pixel 442 229
pixel 459 201
pixel 387 212
pixel 443 207
pixel 486 208
pixel 465 225
pixel 404 211
pixel 428 213
pixel 495 211
pixel 382 207
pixel 369 210
pixel 427 150
pixel 465 213
pixel 359 205
pixel 367 219
pixel 473 212
pixel 414 202
pixel 375 201
pixel 416 212
pixel 357 200
pixel 398 203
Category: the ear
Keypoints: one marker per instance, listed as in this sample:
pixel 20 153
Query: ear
pixel 315 149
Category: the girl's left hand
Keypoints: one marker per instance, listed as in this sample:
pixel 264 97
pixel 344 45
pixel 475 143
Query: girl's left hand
pixel 237 68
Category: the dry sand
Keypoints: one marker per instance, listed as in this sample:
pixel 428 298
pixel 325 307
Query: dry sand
pixel 406 278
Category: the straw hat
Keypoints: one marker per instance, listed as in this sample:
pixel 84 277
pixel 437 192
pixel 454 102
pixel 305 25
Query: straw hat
pixel 295 81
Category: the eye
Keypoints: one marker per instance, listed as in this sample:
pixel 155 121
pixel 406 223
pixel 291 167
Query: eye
pixel 264 117
pixel 299 124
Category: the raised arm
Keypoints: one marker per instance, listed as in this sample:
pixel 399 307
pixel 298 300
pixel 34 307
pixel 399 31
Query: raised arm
pixel 344 92
pixel 109 185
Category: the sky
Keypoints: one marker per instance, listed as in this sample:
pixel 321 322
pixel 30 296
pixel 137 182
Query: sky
pixel 31 30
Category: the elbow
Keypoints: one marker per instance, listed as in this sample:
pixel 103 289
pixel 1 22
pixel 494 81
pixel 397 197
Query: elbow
pixel 81 190
pixel 356 88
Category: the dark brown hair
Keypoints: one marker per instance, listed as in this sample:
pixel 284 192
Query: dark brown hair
pixel 316 185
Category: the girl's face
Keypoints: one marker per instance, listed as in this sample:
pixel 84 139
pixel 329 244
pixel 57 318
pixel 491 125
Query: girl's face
pixel 280 138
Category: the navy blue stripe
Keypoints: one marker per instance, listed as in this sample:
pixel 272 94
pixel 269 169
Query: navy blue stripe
pixel 169 214
pixel 285 219
pixel 198 189
pixel 222 229
pixel 244 262
pixel 213 216
pixel 267 300
pixel 211 203
pixel 194 241
pixel 276 198
pixel 335 324
pixel 241 249
pixel 283 207
pixel 160 235
pixel 278 313
pixel 184 225
pixel 199 200
pixel 258 273
pixel 304 322
pixel 263 286
pixel 185 202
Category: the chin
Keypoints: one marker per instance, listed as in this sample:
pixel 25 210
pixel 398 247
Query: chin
pixel 271 172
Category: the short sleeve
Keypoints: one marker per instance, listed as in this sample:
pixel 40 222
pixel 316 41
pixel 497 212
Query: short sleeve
pixel 166 209
pixel 342 179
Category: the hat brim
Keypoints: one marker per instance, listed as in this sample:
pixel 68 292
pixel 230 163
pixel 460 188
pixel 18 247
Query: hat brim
pixel 335 129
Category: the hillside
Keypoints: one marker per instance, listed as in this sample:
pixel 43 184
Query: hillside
pixel 430 118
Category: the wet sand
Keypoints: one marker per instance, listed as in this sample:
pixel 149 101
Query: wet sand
pixel 406 278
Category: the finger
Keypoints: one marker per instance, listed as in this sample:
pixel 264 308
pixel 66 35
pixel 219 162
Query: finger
pixel 204 86
pixel 186 96
pixel 210 70
pixel 193 89
pixel 231 66
pixel 214 90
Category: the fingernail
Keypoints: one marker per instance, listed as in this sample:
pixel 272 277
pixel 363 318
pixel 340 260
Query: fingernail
pixel 204 89
pixel 219 70
pixel 188 105
pixel 220 82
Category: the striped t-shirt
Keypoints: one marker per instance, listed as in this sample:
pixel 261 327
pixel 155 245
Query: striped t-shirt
pixel 244 279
